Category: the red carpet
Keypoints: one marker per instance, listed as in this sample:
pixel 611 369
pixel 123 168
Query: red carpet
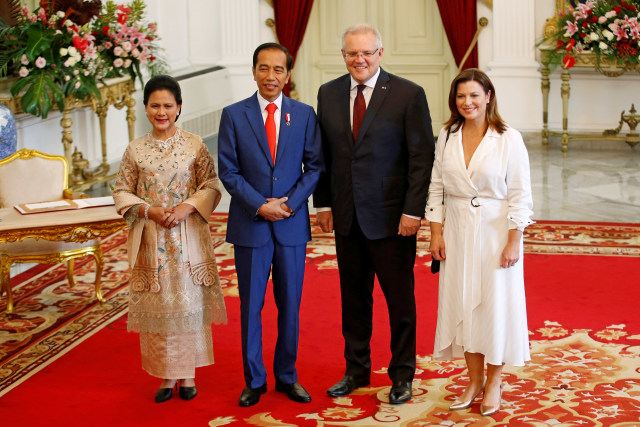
pixel 582 316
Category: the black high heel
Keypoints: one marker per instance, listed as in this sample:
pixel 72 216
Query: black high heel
pixel 187 393
pixel 164 394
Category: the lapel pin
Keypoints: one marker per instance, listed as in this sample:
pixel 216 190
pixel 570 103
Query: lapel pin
pixel 287 117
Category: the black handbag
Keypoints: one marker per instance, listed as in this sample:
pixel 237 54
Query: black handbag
pixel 435 264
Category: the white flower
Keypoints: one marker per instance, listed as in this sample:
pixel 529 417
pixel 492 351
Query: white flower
pixel 593 36
pixel 63 51
pixel 24 60
pixel 118 62
pixel 603 46
pixel 23 72
pixel 86 73
pixel 60 14
pixel 72 51
pixel 41 62
pixel 127 62
pixel 608 35
pixel 127 46
pixel 68 23
pixel 67 78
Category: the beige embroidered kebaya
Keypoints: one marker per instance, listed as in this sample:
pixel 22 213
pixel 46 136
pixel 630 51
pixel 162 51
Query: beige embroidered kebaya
pixel 174 288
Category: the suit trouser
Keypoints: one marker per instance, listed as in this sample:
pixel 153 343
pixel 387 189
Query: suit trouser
pixel 253 266
pixel 391 260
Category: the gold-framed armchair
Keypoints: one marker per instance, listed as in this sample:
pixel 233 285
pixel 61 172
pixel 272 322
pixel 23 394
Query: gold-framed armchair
pixel 29 176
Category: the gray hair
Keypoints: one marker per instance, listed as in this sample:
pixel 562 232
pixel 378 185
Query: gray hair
pixel 363 29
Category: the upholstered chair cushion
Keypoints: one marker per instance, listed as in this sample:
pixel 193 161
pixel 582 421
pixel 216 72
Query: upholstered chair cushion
pixel 31 180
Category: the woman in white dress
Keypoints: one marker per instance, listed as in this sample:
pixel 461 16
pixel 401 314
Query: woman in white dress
pixel 481 175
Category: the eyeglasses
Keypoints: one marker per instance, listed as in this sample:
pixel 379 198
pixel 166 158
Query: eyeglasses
pixel 365 54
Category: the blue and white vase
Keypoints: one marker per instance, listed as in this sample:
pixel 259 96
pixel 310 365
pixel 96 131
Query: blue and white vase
pixel 8 133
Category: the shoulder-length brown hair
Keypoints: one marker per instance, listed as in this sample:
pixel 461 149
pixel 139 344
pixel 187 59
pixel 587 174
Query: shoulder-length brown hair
pixel 493 118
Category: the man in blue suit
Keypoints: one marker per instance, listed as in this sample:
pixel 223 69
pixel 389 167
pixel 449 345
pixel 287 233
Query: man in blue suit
pixel 270 160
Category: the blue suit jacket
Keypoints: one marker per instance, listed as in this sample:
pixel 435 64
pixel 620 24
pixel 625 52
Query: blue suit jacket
pixel 248 173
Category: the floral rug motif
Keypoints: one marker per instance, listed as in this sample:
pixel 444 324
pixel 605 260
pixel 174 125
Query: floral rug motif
pixel 576 376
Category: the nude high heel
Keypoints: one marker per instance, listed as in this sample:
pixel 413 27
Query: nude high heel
pixel 458 405
pixel 490 410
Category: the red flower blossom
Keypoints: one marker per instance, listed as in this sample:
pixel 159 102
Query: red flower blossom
pixel 570 45
pixel 617 9
pixel 80 43
pixel 105 30
pixel 594 19
pixel 568 61
pixel 122 18
pixel 626 49
pixel 124 9
pixel 583 35
pixel 559 45
pixel 585 24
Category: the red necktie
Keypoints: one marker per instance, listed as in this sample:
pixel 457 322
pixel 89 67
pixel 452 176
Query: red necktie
pixel 270 127
pixel 359 108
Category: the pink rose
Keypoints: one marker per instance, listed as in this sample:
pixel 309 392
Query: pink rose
pixel 24 60
pixel 118 51
pixel 41 62
pixel 118 62
pixel 127 62
pixel 23 72
pixel 77 85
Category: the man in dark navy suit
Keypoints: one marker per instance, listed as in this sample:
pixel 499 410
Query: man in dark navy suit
pixel 378 148
pixel 270 160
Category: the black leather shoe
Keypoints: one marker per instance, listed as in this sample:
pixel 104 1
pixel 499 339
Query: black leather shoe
pixel 400 392
pixel 251 396
pixel 187 393
pixel 346 385
pixel 294 391
pixel 164 394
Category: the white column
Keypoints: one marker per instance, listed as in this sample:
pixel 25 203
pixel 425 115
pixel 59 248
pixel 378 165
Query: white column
pixel 240 34
pixel 512 65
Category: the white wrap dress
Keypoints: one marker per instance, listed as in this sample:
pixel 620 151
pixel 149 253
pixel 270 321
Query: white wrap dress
pixel 481 306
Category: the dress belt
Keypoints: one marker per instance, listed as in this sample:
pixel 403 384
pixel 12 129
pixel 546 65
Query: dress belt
pixel 477 201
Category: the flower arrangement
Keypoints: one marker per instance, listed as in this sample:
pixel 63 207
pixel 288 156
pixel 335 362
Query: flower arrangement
pixel 64 48
pixel 52 54
pixel 125 41
pixel 607 28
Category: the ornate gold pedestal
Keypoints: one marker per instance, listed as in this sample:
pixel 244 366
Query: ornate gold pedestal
pixel 117 92
pixel 582 61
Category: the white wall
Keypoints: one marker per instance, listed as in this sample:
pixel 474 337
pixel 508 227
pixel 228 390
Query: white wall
pixel 197 33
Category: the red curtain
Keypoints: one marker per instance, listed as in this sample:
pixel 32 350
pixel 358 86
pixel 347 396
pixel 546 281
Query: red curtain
pixel 460 24
pixel 291 17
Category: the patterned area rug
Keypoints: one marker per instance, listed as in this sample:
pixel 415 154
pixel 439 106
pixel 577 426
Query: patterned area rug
pixel 577 376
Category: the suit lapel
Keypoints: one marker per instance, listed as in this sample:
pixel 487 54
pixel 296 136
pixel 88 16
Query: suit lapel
pixel 254 117
pixel 345 107
pixel 377 98
pixel 285 130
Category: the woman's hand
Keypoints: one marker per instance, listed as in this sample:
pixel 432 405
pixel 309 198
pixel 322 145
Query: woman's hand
pixel 511 252
pixel 178 214
pixel 436 246
pixel 156 213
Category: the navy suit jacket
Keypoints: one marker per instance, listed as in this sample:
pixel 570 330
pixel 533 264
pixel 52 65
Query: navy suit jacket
pixel 387 170
pixel 247 171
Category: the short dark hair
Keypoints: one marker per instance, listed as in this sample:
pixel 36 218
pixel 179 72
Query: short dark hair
pixel 163 82
pixel 264 46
